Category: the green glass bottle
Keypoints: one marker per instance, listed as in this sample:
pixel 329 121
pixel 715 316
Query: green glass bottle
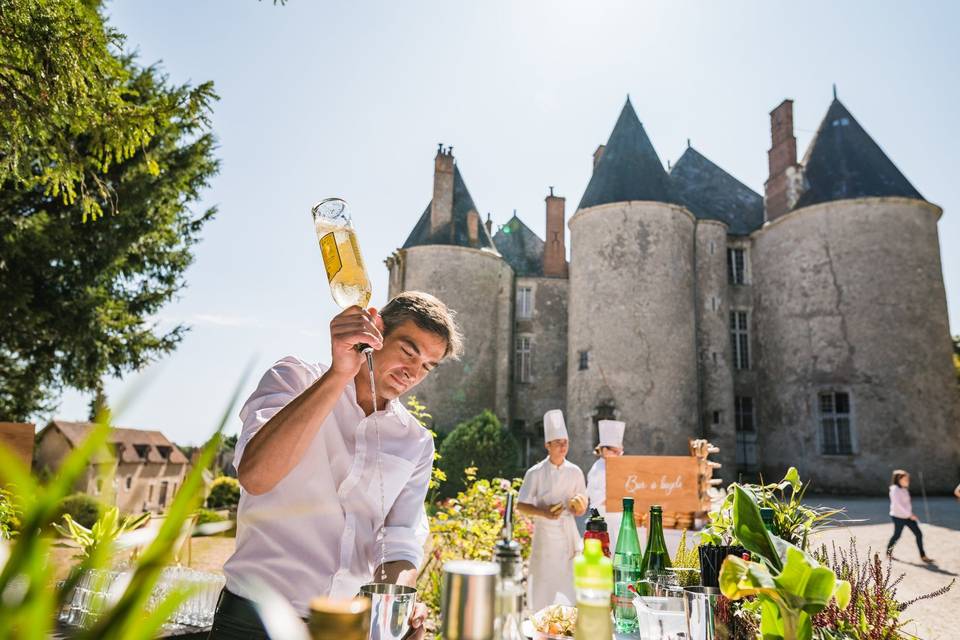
pixel 655 559
pixel 766 514
pixel 627 561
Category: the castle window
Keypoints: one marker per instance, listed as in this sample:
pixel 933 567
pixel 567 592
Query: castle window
pixel 584 361
pixel 743 413
pixel 523 359
pixel 129 482
pixel 716 418
pixel 835 432
pixel 740 339
pixel 737 265
pixel 524 303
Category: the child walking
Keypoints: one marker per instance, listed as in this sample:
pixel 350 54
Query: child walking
pixel 901 512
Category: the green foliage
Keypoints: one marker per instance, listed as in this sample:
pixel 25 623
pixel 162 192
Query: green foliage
pixel 686 558
pixel 64 82
pixel 419 411
pixel 80 298
pixel 29 607
pixel 794 521
pixel 874 612
pixel 104 531
pixel 466 528
pixel 82 508
pixel 789 584
pixel 224 493
pixel 206 516
pixel 9 515
pixel 481 443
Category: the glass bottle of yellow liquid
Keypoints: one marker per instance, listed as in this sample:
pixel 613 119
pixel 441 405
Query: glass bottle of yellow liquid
pixel 593 582
pixel 346 272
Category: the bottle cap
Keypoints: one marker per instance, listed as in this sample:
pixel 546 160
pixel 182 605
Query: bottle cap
pixel 593 570
pixel 766 514
pixel 628 504
pixel 655 508
pixel 596 522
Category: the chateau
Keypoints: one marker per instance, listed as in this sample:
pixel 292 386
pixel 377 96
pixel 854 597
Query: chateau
pixel 807 326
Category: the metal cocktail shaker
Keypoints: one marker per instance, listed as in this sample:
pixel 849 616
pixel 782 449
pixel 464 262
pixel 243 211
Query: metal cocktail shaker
pixel 468 600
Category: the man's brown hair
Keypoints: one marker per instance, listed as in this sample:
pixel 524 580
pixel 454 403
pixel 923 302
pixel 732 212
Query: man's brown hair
pixel 428 313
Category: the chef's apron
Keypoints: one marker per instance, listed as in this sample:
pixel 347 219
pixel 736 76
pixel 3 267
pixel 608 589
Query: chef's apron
pixel 555 544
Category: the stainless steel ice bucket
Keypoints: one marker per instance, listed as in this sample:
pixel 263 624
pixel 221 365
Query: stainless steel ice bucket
pixel 468 600
pixel 702 608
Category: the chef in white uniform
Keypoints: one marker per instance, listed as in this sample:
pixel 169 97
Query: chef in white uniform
pixel 553 492
pixel 611 445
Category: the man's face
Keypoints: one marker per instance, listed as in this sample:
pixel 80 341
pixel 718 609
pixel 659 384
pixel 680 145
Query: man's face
pixel 407 356
pixel 558 448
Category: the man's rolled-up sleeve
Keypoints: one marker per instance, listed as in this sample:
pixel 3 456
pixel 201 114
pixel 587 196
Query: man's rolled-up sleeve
pixel 283 382
pixel 405 524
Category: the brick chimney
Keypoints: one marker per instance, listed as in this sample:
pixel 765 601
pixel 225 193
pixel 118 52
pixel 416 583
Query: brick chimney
pixel 555 247
pixel 441 208
pixel 597 155
pixel 782 187
pixel 473 227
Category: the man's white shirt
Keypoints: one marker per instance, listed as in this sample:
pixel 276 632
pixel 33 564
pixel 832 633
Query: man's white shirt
pixel 316 532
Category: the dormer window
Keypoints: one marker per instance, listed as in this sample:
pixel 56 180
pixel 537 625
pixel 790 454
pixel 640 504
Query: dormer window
pixel 165 452
pixel 142 450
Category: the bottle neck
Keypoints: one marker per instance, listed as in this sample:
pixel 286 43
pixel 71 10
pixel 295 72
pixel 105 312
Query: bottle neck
pixel 655 538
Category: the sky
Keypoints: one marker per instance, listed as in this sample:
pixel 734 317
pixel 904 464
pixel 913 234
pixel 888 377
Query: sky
pixel 350 98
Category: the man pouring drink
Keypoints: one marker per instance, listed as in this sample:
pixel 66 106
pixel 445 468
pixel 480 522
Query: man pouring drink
pixel 334 470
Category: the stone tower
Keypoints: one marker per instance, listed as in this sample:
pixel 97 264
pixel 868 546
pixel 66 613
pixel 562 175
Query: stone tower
pixel 632 341
pixel 450 254
pixel 850 313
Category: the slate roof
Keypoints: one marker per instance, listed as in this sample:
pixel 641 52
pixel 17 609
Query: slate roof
pixel 520 247
pixel 462 204
pixel 629 168
pixel 710 193
pixel 126 443
pixel 844 162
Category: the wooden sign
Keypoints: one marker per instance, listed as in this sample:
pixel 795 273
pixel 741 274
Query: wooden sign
pixel 669 481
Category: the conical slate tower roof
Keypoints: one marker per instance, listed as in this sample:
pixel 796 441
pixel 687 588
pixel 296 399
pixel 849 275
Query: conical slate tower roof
pixel 462 204
pixel 629 168
pixel 710 193
pixel 520 247
pixel 844 162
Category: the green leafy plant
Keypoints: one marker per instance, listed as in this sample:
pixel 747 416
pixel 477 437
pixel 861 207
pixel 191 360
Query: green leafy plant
pixel 790 585
pixel 480 442
pixel 29 607
pixel 224 493
pixel 104 531
pixel 874 612
pixel 794 521
pixel 9 515
pixel 437 476
pixel 82 507
pixel 466 528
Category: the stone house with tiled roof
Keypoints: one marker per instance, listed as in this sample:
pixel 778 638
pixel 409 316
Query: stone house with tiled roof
pixel 149 469
pixel 806 326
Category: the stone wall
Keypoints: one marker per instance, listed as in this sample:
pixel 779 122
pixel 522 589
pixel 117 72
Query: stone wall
pixel 713 340
pixel 478 285
pixel 631 309
pixel 547 330
pixel 849 297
